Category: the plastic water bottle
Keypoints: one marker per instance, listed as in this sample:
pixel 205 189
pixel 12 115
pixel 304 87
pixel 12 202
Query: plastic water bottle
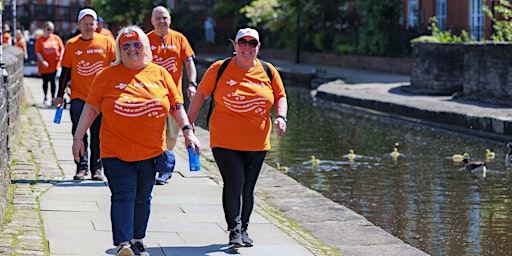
pixel 194 162
pixel 58 115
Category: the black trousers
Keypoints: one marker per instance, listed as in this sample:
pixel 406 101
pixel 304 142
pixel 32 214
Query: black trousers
pixel 75 110
pixel 239 171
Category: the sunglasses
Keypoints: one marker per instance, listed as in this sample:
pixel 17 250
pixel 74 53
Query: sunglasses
pixel 252 43
pixel 49 29
pixel 137 45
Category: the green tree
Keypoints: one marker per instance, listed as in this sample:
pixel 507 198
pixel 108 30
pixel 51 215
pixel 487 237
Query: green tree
pixel 231 9
pixel 377 18
pixel 502 26
pixel 124 11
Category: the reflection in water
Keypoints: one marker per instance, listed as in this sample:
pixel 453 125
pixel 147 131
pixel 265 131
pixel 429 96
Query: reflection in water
pixel 423 197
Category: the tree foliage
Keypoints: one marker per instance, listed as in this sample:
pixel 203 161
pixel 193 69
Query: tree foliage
pixel 502 26
pixel 123 11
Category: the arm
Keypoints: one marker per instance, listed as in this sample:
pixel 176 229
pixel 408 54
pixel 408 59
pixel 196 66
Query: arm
pixel 88 115
pixel 281 108
pixel 195 106
pixel 41 59
pixel 192 77
pixel 191 141
pixel 65 77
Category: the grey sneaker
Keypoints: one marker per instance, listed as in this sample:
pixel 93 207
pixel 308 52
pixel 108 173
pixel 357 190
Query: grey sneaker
pixel 248 242
pixel 80 175
pixel 124 250
pixel 235 239
pixel 138 249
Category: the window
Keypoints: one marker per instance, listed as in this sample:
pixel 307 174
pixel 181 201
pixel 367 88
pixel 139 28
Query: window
pixel 441 14
pixel 412 13
pixel 476 25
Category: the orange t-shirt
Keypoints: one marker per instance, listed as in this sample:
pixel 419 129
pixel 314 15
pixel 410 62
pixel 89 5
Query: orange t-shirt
pixel 243 100
pixel 6 37
pixel 51 49
pixel 86 59
pixel 134 106
pixel 170 52
pixel 107 32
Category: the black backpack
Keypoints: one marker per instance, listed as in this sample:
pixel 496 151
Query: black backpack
pixel 223 67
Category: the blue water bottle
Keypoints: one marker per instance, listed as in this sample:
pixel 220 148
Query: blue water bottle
pixel 58 115
pixel 194 162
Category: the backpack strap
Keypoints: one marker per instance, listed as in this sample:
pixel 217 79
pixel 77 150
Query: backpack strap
pixel 267 70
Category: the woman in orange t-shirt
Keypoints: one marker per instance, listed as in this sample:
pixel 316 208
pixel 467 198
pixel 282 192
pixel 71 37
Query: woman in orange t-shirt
pixel 6 37
pixel 48 49
pixel 240 126
pixel 134 97
pixel 21 43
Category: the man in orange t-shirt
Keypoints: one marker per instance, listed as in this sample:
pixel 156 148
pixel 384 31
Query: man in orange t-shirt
pixel 172 50
pixel 84 56
pixel 102 30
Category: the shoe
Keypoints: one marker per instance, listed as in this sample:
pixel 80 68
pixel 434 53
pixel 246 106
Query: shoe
pixel 80 175
pixel 235 239
pixel 125 250
pixel 163 178
pixel 138 249
pixel 248 242
pixel 97 175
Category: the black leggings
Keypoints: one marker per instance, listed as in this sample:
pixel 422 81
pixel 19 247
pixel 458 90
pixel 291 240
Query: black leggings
pixel 49 78
pixel 239 170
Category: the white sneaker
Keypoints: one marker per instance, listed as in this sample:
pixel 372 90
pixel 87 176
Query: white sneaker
pixel 124 250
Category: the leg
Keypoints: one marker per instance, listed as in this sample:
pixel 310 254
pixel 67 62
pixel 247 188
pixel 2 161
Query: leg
pixel 145 182
pixel 75 110
pixel 252 167
pixel 231 167
pixel 172 131
pixel 53 86
pixel 122 181
pixel 95 160
pixel 46 80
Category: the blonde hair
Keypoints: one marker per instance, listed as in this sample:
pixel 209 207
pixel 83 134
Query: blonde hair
pixel 19 36
pixel 148 55
pixel 37 33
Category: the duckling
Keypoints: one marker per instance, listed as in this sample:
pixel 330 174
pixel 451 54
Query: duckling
pixel 459 157
pixel 508 156
pixel 314 161
pixel 475 167
pixel 489 155
pixel 395 154
pixel 282 168
pixel 351 155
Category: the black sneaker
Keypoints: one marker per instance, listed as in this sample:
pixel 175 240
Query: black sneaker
pixel 124 250
pixel 80 175
pixel 235 239
pixel 138 249
pixel 248 242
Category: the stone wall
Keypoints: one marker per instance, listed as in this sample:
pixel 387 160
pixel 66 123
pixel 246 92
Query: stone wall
pixel 11 101
pixel 471 71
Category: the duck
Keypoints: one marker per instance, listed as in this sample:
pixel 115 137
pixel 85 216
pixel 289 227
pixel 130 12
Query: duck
pixel 475 167
pixel 508 155
pixel 282 168
pixel 459 157
pixel 489 155
pixel 351 155
pixel 395 154
pixel 314 161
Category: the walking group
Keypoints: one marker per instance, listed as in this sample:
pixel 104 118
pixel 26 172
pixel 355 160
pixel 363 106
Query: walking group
pixel 127 111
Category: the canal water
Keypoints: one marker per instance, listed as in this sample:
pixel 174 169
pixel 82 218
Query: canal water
pixel 422 197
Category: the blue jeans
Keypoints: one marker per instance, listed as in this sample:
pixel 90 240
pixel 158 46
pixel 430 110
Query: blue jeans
pixel 75 110
pixel 131 184
pixel 239 171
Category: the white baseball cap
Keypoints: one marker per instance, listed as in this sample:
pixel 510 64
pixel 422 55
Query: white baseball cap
pixel 247 32
pixel 85 12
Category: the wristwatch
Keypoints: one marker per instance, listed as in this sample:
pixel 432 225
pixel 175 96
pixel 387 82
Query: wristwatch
pixel 194 83
pixel 284 118
pixel 186 127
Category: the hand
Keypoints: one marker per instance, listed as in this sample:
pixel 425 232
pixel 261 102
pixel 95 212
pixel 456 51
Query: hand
pixel 281 126
pixel 78 149
pixel 191 141
pixel 45 64
pixel 191 92
pixel 57 102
